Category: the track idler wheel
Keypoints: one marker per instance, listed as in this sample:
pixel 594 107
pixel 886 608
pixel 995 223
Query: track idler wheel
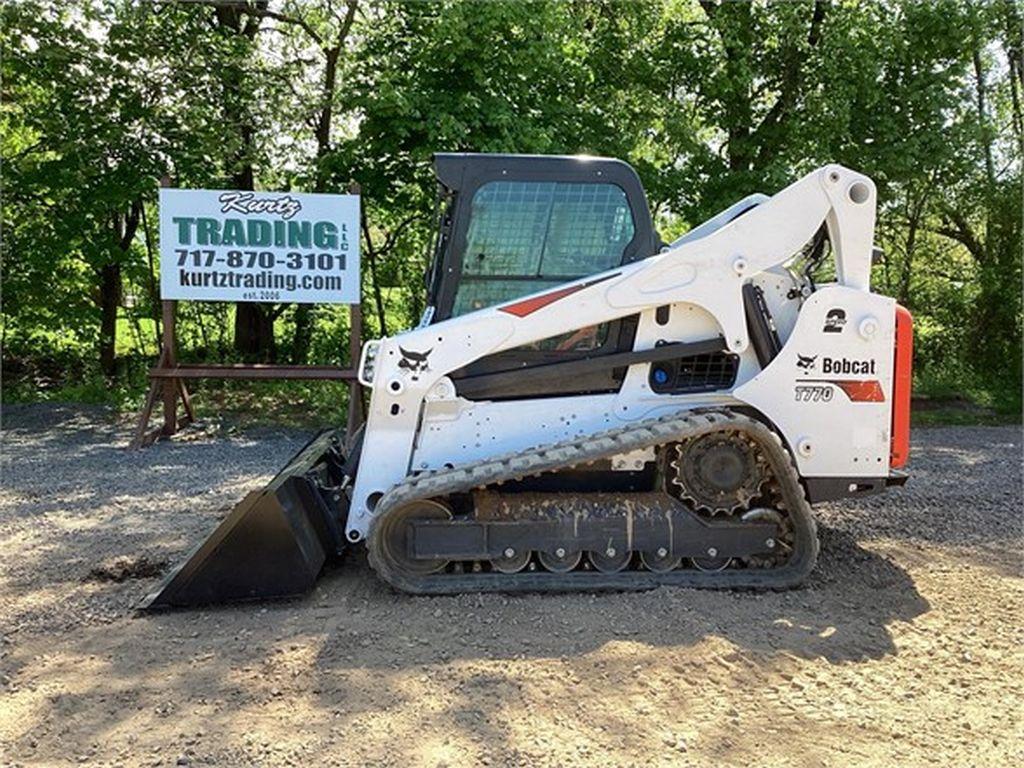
pixel 711 564
pixel 396 536
pixel 783 544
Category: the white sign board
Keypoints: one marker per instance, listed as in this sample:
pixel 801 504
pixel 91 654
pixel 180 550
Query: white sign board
pixel 234 245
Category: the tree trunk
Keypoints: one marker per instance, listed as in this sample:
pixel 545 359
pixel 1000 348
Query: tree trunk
pixel 903 294
pixel 1012 45
pixel 124 226
pixel 371 255
pixel 254 325
pixel 983 124
pixel 254 333
pixel 110 300
pixel 303 333
pixel 733 23
pixel 304 312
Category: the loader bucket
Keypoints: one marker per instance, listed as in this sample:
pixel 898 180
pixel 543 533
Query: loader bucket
pixel 273 543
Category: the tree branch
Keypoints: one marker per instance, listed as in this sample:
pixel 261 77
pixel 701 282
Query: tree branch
pixel 792 79
pixel 131 225
pixel 346 24
pixel 263 12
pixel 956 228
pixel 371 254
pixel 392 238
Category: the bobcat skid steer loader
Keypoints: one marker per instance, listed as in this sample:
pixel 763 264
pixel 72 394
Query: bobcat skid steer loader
pixel 585 407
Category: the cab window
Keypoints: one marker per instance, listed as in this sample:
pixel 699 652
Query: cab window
pixel 528 236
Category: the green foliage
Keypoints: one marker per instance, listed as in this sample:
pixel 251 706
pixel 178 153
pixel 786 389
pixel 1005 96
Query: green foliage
pixel 301 404
pixel 709 100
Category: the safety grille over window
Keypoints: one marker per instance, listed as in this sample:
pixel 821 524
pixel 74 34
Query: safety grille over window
pixel 524 237
pixel 695 373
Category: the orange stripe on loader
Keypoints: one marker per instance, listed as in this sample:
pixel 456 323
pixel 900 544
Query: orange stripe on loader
pixel 861 391
pixel 901 384
pixel 529 306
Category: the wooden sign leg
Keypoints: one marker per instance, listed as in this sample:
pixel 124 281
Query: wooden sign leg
pixel 355 409
pixel 356 414
pixel 169 390
pixel 170 360
pixel 139 439
pixel 186 401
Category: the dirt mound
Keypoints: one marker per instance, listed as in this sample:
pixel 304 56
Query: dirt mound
pixel 126 567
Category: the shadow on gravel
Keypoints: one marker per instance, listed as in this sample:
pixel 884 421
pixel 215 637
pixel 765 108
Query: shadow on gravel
pixel 840 615
pixel 355 648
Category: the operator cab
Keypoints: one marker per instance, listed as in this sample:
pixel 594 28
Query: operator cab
pixel 513 225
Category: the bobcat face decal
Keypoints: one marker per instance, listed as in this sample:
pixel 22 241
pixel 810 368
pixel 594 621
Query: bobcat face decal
pixel 414 363
pixel 805 362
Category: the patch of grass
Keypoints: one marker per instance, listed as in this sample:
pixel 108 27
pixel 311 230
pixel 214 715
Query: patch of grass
pixel 951 415
pixel 299 404
pixel 121 394
pixel 956 396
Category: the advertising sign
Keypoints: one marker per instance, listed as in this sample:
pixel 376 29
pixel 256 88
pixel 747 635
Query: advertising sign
pixel 237 245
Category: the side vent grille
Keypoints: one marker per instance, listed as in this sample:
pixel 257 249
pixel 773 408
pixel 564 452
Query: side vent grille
pixel 696 373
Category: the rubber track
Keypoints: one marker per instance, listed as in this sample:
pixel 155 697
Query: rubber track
pixel 603 445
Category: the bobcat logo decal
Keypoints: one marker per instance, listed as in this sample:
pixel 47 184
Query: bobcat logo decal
pixel 805 362
pixel 414 362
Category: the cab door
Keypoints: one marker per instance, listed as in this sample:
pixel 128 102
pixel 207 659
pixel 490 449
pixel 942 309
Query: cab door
pixel 521 225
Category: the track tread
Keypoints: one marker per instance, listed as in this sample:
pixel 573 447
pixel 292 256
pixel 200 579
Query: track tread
pixel 603 445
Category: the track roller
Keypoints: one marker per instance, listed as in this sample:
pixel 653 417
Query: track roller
pixel 562 560
pixel 660 561
pixel 511 561
pixel 612 560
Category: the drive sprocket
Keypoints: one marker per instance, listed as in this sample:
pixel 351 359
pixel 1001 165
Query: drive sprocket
pixel 718 473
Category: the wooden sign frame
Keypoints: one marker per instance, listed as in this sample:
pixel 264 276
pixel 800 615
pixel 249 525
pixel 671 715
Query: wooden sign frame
pixel 167 381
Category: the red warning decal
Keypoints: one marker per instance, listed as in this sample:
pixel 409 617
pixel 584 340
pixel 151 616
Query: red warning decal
pixel 531 305
pixel 862 391
pixel 858 391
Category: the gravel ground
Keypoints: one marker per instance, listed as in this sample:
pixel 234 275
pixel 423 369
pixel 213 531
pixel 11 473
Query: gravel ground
pixel 905 647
